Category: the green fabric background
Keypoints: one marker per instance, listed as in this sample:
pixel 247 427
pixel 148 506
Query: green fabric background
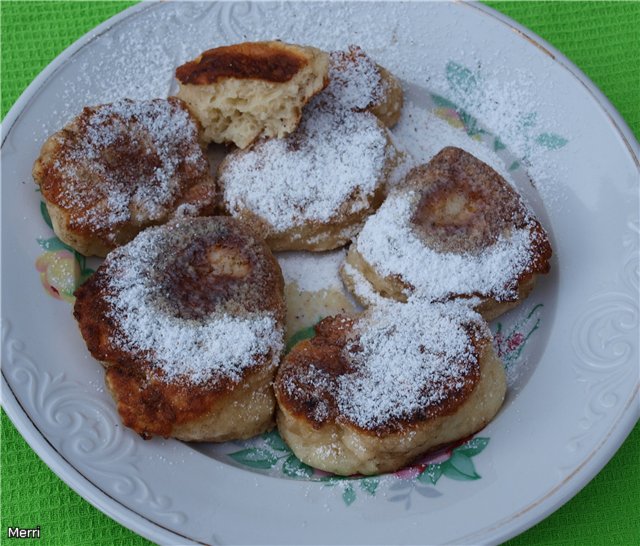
pixel 602 38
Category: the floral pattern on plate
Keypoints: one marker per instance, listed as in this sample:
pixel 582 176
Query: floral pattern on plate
pixel 454 462
pixel 462 82
pixel 270 453
pixel 62 269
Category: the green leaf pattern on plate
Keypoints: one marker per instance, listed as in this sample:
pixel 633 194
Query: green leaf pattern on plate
pixel 369 485
pixel 45 215
pixel 431 474
pixel 295 468
pixel 349 494
pixel 275 441
pixel 273 453
pixel 300 335
pixel 462 82
pixel 551 141
pixel 472 447
pixel 458 466
pixel 509 345
pixel 498 145
pixel 255 457
pixel 461 78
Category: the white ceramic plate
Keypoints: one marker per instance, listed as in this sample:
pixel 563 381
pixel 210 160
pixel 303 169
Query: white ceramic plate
pixel 572 347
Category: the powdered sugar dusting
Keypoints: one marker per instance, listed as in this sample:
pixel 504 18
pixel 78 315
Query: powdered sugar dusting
pixel 321 381
pixel 421 134
pixel 354 80
pixel 388 242
pixel 362 288
pixel 127 161
pixel 335 157
pixel 138 58
pixel 220 344
pixel 399 373
pixel 509 107
pixel 312 272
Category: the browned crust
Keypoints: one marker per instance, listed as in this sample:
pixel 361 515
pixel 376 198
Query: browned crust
pixel 539 264
pixel 125 161
pixel 490 206
pixel 494 201
pixel 153 407
pixel 389 110
pixel 314 236
pixel 386 103
pixel 146 403
pixel 325 353
pixel 310 235
pixel 269 61
pixel 342 449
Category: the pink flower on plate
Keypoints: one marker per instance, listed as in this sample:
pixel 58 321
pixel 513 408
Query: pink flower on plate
pixel 434 457
pixel 410 472
pixel 59 273
pixel 515 341
pixel 451 116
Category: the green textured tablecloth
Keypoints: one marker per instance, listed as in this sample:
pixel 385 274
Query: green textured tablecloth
pixel 602 38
